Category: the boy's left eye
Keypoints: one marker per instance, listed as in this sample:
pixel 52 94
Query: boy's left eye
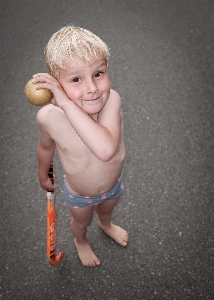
pixel 98 74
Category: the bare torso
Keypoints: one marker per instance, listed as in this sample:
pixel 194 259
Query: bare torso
pixel 85 173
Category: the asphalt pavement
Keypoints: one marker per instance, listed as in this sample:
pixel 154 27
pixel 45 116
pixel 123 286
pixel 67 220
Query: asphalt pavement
pixel 162 66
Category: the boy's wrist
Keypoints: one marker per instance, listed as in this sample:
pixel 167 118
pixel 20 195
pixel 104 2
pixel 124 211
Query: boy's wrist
pixel 63 103
pixel 66 104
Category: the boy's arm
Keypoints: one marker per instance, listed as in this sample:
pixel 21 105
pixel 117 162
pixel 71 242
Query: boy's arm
pixel 100 137
pixel 45 152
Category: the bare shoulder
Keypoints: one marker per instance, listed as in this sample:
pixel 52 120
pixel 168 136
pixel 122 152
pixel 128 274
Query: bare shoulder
pixel 115 102
pixel 46 114
pixel 114 96
pixel 110 115
pixel 113 105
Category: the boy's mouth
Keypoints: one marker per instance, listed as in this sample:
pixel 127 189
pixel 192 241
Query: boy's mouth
pixel 94 99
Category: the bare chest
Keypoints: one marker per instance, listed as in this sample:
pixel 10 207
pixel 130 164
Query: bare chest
pixel 68 142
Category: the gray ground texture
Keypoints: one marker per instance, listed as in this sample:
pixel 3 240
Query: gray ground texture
pixel 162 66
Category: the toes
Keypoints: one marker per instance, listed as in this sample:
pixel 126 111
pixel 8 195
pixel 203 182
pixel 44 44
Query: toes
pixel 93 264
pixel 98 263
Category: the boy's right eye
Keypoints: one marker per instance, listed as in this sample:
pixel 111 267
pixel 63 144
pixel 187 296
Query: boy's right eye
pixel 76 79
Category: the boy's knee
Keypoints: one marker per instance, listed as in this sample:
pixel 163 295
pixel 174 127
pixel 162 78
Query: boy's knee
pixel 81 225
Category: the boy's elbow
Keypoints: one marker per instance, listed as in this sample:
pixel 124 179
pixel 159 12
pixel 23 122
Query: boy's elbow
pixel 107 155
pixel 106 158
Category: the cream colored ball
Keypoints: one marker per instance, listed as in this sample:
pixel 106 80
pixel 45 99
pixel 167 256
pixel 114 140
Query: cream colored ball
pixel 37 97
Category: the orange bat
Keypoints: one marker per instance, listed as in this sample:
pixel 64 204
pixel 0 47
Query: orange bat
pixel 51 225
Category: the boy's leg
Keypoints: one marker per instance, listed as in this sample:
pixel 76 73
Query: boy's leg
pixel 81 220
pixel 104 211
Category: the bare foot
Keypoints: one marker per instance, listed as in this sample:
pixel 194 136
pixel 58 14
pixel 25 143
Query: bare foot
pixel 116 233
pixel 87 255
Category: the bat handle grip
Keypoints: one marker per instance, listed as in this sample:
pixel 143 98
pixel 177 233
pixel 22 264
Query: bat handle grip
pixel 51 175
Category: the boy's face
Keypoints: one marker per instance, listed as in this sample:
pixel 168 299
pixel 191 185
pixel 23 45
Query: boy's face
pixel 86 84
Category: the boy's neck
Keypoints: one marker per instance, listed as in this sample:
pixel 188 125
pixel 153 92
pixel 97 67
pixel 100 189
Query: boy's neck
pixel 94 116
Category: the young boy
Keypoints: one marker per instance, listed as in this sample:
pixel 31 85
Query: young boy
pixel 84 123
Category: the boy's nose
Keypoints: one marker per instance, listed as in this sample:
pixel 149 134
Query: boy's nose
pixel 91 87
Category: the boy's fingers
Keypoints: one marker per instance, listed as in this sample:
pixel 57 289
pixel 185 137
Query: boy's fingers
pixel 53 101
pixel 51 189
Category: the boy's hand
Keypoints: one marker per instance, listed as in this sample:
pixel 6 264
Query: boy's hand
pixel 47 81
pixel 47 185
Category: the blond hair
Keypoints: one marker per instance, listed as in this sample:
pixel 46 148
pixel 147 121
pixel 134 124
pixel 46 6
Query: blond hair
pixel 71 42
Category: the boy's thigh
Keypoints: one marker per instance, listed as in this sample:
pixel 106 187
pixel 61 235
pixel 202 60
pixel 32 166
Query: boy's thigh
pixel 107 205
pixel 82 215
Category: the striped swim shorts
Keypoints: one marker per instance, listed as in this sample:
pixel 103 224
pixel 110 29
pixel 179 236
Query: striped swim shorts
pixel 79 201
